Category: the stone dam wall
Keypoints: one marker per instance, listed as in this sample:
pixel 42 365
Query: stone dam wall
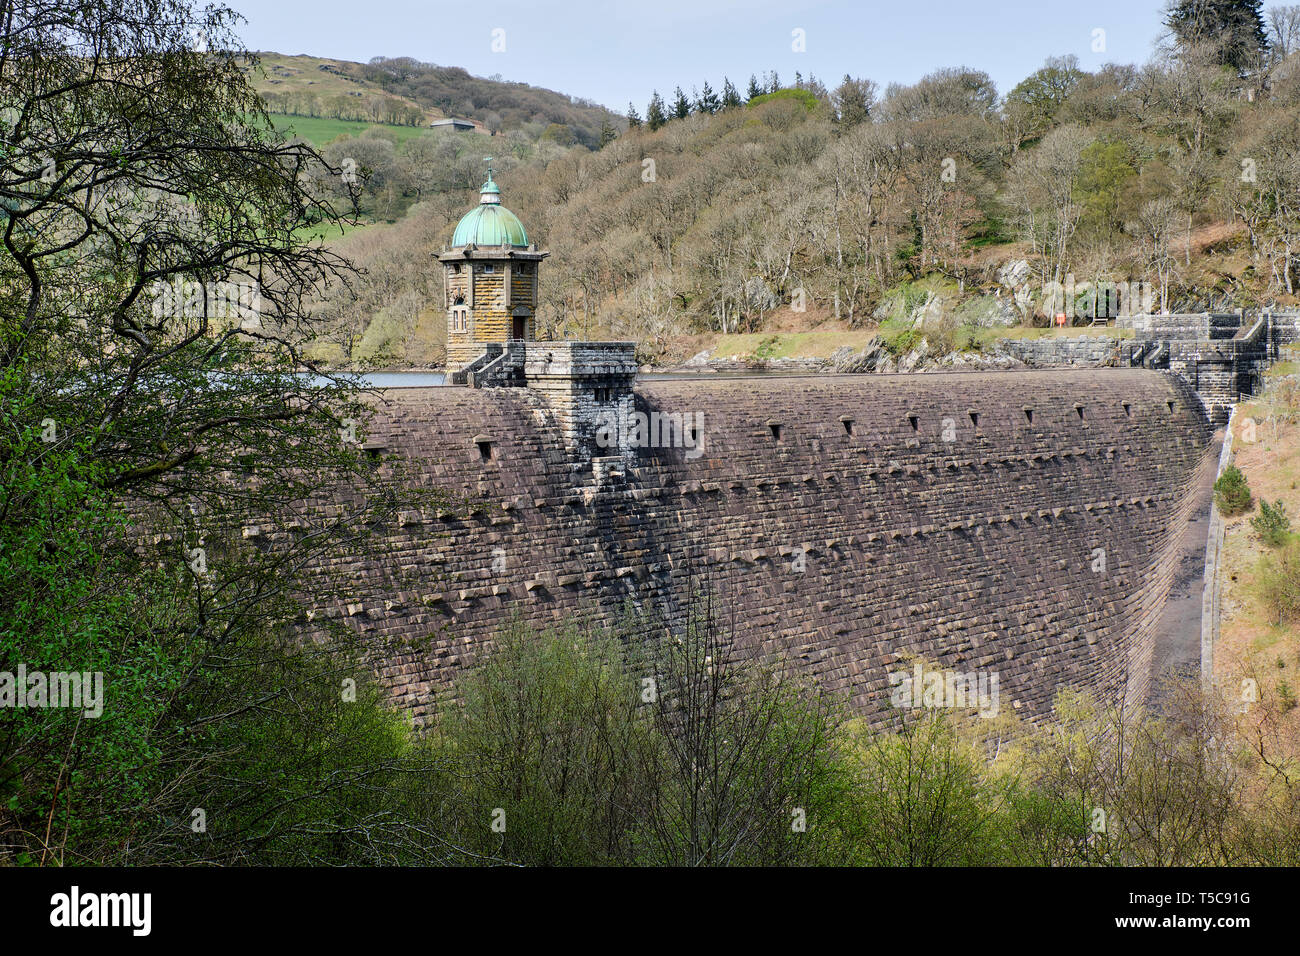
pixel 844 523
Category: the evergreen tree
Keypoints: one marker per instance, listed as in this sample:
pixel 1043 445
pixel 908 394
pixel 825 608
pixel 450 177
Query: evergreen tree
pixel 654 114
pixel 852 101
pixel 754 89
pixel 708 101
pixel 773 81
pixel 730 96
pixel 607 134
pixel 681 105
pixel 633 117
pixel 1234 28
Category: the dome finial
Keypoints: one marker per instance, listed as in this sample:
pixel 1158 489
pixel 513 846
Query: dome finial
pixel 490 193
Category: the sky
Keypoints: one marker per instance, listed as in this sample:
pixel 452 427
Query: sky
pixel 613 52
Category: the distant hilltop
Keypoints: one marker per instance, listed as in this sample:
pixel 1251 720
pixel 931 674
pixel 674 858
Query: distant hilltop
pixel 405 92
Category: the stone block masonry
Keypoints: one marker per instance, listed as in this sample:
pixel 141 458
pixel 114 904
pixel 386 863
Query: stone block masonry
pixel 1082 350
pixel 1019 522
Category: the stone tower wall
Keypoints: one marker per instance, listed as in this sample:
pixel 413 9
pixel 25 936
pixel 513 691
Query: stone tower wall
pixel 491 317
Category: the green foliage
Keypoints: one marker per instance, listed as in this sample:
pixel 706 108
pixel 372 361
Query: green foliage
pixel 1043 93
pixel 1106 171
pixel 1233 29
pixel 681 105
pixel 655 114
pixel 63 607
pixel 139 433
pixel 559 133
pixel 766 349
pixel 1272 523
pixel 1286 696
pixel 805 98
pixel 584 752
pixel 903 342
pixel 913 297
pixel 730 96
pixel 531 741
pixel 1232 493
pixel 923 798
pixel 552 723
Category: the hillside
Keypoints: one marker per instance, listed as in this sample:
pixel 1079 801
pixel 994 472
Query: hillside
pixel 402 91
pixel 498 104
pixel 331 89
pixel 942 208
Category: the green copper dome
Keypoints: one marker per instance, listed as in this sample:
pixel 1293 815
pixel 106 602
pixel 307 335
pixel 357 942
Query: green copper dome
pixel 490 223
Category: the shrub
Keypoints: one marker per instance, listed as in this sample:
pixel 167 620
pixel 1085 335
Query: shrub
pixel 1272 523
pixel 592 762
pixel 904 342
pixel 1231 493
pixel 764 351
pixel 1279 582
pixel 1286 696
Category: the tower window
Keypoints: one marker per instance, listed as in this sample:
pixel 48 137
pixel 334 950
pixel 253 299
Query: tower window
pixel 489 268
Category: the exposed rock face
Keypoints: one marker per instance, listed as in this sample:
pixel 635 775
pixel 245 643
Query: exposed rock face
pixel 870 359
pixel 915 358
pixel 843 523
pixel 875 357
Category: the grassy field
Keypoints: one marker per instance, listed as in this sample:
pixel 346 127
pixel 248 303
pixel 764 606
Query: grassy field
pixel 790 344
pixel 817 345
pixel 318 131
pixel 314 74
pixel 328 231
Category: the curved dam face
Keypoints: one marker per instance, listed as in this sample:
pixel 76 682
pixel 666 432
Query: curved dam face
pixel 1020 523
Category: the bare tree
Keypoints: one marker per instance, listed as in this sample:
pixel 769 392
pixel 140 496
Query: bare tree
pixel 1284 30
pixel 1043 187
